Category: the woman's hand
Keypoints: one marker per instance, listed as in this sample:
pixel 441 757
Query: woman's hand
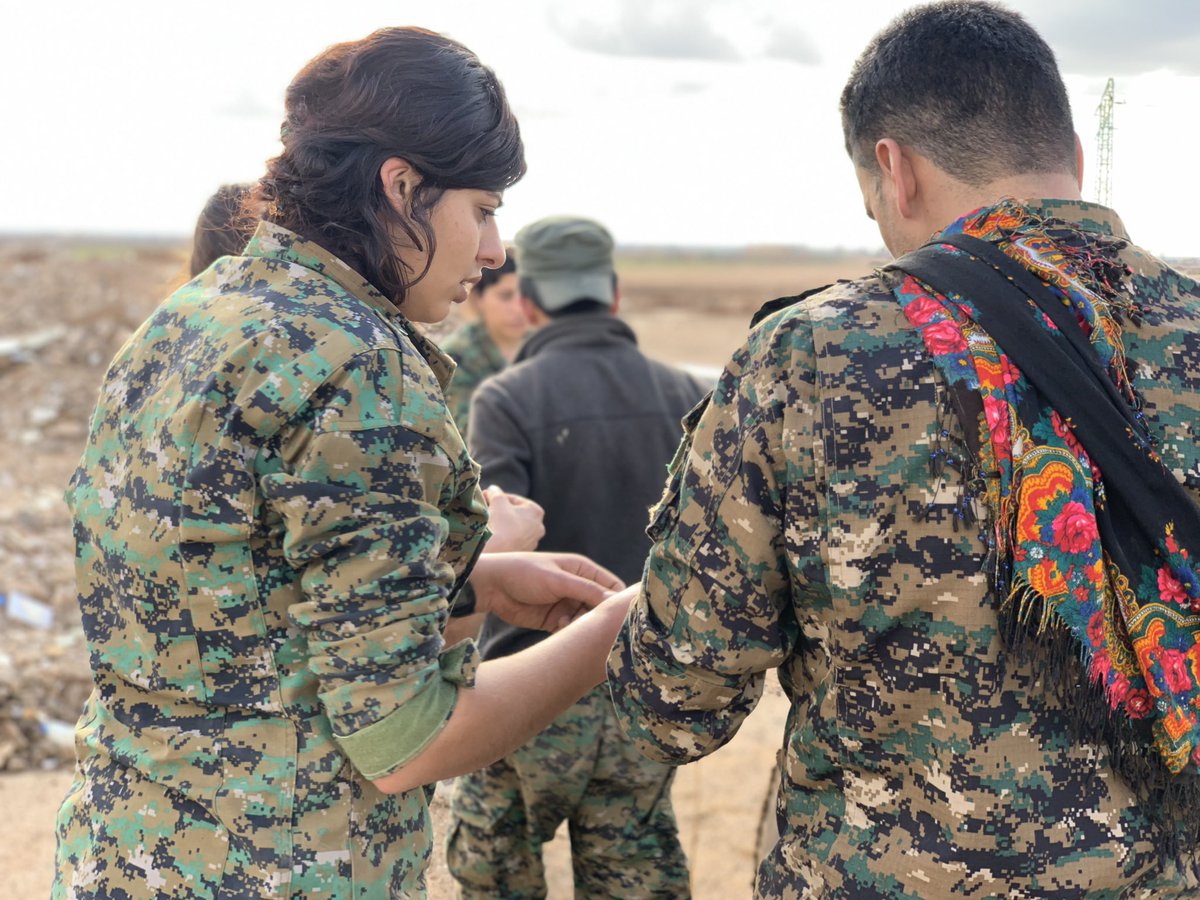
pixel 540 590
pixel 515 522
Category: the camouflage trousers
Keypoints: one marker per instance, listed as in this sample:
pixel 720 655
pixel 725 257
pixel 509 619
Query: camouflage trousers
pixel 582 769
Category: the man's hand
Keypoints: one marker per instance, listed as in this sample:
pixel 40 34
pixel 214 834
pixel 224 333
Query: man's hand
pixel 515 521
pixel 545 591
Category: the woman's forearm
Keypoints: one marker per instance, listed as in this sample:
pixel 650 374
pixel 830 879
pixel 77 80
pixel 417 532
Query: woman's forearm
pixel 516 697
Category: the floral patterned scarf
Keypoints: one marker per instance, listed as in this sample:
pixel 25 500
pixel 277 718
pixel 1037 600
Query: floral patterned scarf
pixel 1094 541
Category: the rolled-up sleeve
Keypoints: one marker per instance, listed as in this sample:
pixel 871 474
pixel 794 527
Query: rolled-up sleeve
pixel 361 502
pixel 715 611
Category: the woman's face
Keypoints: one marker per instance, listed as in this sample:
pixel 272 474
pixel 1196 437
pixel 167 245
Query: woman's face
pixel 464 225
pixel 499 308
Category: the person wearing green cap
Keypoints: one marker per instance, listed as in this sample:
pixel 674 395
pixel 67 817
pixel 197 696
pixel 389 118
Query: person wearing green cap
pixel 583 424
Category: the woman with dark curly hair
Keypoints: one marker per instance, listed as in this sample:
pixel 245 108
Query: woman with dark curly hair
pixel 275 515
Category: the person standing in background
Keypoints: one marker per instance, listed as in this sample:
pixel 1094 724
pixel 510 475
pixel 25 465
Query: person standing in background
pixel 583 424
pixel 222 228
pixel 488 343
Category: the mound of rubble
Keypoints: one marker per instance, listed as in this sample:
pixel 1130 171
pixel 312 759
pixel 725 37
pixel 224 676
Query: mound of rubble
pixel 65 307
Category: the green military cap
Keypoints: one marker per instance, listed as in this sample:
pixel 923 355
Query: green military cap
pixel 568 258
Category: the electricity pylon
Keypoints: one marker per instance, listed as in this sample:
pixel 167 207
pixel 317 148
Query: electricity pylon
pixel 1104 146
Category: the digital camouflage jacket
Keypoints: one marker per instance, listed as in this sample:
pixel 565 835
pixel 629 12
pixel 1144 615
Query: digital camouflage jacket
pixel 804 529
pixel 271 513
pixel 477 357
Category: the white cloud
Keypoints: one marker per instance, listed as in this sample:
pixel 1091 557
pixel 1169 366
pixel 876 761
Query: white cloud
pixel 652 29
pixel 1116 37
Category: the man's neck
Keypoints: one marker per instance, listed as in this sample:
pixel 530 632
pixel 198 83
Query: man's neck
pixel 1037 186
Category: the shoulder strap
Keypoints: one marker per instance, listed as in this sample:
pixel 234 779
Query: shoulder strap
pixel 773 306
pixel 1064 369
pixel 1060 363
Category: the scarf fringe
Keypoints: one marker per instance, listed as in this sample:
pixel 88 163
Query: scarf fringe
pixel 1170 802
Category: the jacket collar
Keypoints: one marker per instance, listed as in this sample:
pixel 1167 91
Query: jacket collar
pixel 271 241
pixel 1086 216
pixel 596 329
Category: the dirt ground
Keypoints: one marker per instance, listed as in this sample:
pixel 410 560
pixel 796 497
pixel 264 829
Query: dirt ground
pixel 65 307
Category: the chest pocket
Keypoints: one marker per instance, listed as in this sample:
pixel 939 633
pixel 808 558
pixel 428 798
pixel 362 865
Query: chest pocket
pixel 219 500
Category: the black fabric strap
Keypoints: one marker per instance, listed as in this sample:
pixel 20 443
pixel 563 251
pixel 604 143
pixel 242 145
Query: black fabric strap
pixel 463 604
pixel 773 306
pixel 1143 496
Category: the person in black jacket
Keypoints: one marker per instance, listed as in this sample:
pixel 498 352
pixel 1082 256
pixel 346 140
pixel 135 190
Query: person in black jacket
pixel 584 425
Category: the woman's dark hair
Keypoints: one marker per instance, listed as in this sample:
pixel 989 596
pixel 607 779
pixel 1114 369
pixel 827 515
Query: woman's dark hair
pixel 970 85
pixel 403 92
pixel 222 229
pixel 491 276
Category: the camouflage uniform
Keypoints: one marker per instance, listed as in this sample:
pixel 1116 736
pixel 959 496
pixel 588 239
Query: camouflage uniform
pixel 271 513
pixel 582 769
pixel 804 528
pixel 478 358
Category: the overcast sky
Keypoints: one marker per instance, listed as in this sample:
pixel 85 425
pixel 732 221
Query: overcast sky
pixel 690 122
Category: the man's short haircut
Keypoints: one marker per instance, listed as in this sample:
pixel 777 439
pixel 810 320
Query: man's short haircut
pixel 969 85
pixel 528 288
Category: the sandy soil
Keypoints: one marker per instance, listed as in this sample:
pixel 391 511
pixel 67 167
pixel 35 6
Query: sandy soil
pixel 69 304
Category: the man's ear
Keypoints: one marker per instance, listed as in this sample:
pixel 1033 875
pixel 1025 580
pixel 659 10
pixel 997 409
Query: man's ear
pixel 532 313
pixel 616 304
pixel 897 180
pixel 400 180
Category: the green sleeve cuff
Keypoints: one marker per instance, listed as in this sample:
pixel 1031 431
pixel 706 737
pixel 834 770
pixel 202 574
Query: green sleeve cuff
pixel 395 739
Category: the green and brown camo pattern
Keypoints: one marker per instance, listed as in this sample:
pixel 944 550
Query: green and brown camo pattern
pixel 804 529
pixel 271 513
pixel 477 357
pixel 584 771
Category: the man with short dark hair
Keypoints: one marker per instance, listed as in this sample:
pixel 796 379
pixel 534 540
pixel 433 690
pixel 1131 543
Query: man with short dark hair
pixel 955 504
pixel 583 424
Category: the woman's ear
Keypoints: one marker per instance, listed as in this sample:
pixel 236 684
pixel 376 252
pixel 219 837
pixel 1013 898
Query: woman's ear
pixel 400 180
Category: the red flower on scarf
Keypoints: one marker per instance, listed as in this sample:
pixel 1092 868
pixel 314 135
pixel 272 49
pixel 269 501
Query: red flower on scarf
pixel 1137 704
pixel 996 413
pixel 1064 431
pixel 1118 690
pixel 1175 668
pixel 1169 588
pixel 943 338
pixel 1095 629
pixel 1075 528
pixel 922 310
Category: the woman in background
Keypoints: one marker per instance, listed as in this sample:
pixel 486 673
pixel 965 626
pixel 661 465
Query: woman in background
pixel 274 514
pixel 488 343
pixel 222 229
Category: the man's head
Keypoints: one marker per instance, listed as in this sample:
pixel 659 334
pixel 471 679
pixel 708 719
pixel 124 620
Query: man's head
pixel 964 91
pixel 566 267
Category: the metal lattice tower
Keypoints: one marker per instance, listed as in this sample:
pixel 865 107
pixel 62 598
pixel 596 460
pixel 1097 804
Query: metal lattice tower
pixel 1104 146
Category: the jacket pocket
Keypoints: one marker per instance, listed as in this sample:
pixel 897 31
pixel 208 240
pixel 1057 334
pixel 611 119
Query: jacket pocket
pixel 216 522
